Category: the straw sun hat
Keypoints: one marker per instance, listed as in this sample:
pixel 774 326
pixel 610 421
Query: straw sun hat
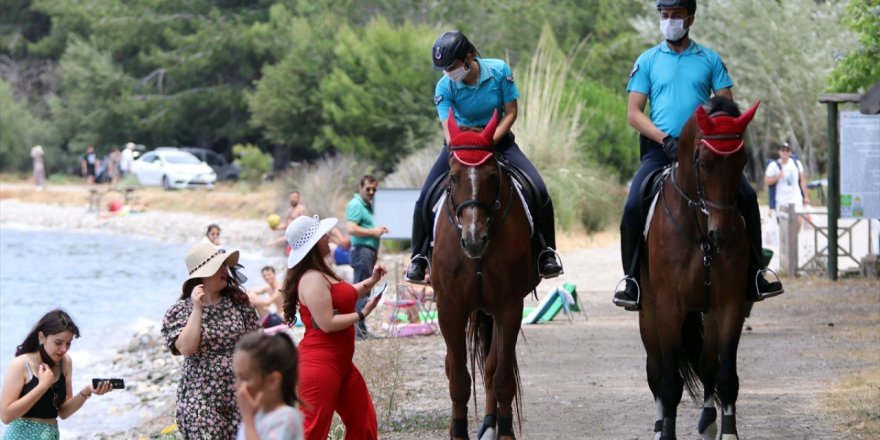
pixel 303 233
pixel 204 259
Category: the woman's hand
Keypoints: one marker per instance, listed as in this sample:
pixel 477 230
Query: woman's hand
pixel 198 294
pixel 369 306
pixel 379 271
pixel 103 388
pixel 45 376
pixel 247 403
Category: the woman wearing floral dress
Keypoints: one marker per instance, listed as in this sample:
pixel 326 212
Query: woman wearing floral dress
pixel 213 313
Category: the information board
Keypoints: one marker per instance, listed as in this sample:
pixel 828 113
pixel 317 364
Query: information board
pixel 393 207
pixel 859 165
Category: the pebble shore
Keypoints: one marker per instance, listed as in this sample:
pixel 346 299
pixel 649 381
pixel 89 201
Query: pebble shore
pixel 151 372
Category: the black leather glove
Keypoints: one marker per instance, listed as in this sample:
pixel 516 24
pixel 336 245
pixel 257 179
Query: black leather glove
pixel 670 147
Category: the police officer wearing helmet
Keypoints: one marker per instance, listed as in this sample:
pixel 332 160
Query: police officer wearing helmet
pixel 676 76
pixel 474 87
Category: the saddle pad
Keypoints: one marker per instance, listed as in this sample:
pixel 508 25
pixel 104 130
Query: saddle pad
pixel 438 209
pixel 651 213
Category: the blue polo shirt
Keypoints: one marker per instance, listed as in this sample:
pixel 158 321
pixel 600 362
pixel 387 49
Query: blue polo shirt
pixel 677 83
pixel 473 104
pixel 360 214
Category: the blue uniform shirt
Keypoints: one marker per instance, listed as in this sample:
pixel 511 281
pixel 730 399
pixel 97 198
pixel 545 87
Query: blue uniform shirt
pixel 677 83
pixel 473 105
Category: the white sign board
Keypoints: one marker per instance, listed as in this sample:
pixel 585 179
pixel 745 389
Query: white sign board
pixel 393 207
pixel 859 165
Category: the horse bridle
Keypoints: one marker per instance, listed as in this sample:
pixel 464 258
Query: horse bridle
pixel 702 202
pixel 490 210
pixel 708 246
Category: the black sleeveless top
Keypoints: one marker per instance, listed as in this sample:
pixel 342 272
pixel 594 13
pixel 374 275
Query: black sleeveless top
pixel 47 406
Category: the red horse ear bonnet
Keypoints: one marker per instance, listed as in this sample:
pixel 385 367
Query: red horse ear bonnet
pixel 476 148
pixel 723 134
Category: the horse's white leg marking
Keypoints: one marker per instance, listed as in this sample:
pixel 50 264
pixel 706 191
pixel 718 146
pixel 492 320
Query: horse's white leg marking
pixel 659 416
pixel 489 434
pixel 711 431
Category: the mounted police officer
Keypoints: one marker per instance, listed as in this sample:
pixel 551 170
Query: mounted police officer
pixel 676 76
pixel 474 87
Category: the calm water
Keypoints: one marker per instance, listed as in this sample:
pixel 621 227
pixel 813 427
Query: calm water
pixel 111 285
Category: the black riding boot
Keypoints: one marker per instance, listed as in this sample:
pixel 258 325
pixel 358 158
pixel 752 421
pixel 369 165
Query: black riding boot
pixel 758 288
pixel 628 298
pixel 421 240
pixel 549 265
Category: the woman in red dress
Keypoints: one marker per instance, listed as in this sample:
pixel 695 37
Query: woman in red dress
pixel 329 381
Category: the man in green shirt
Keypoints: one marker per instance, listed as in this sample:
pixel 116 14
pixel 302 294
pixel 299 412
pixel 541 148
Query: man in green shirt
pixel 365 237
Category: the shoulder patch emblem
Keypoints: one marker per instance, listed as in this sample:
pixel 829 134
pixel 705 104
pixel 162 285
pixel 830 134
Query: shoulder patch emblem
pixel 633 72
pixel 509 78
pixel 438 99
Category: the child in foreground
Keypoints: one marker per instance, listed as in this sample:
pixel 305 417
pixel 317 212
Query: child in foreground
pixel 266 375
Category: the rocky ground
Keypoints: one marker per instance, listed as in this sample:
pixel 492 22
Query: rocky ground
pixel 809 365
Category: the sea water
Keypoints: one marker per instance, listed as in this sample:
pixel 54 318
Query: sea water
pixel 112 286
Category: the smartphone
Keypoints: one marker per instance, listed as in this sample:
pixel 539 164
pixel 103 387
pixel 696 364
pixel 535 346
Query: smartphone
pixel 378 290
pixel 116 384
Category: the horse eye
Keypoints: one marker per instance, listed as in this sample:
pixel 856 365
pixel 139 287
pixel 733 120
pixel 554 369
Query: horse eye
pixel 453 178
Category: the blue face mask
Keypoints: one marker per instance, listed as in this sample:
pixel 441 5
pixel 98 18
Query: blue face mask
pixel 672 29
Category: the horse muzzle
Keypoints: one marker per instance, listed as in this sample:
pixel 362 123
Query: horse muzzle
pixel 475 246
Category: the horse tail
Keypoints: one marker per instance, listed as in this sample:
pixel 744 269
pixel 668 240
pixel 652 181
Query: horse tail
pixel 480 331
pixel 691 350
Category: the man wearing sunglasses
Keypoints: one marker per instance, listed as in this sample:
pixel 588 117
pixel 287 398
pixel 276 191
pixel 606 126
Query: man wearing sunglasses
pixel 365 237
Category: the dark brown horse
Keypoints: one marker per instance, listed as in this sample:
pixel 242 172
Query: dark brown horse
pixel 482 269
pixel 694 277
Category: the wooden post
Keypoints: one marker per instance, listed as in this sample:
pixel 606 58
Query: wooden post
pixel 833 189
pixel 832 100
pixel 791 240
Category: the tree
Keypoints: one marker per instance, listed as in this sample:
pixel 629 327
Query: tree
pixel 19 131
pixel 94 105
pixel 377 96
pixel 860 69
pixel 780 53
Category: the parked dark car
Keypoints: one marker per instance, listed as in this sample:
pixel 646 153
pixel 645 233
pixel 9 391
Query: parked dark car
pixel 225 170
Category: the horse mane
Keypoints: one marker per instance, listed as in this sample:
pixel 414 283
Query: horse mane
pixel 722 104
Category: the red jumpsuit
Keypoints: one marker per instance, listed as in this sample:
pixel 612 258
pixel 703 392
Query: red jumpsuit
pixel 328 379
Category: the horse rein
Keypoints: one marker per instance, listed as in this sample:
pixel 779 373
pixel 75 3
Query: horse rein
pixel 707 245
pixel 454 217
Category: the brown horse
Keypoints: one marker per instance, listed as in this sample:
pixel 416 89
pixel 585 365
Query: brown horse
pixel 482 269
pixel 694 277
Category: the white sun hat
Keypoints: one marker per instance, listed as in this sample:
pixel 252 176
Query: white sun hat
pixel 302 234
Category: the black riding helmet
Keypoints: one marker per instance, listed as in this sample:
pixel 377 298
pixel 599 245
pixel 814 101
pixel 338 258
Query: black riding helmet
pixel 690 5
pixel 449 48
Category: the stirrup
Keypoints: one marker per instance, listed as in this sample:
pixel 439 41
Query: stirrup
pixel 421 282
pixel 626 304
pixel 556 257
pixel 763 296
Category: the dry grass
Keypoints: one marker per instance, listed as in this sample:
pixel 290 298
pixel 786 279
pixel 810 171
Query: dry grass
pixel 233 200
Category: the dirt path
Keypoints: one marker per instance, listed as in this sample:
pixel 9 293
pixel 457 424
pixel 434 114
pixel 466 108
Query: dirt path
pixel 585 379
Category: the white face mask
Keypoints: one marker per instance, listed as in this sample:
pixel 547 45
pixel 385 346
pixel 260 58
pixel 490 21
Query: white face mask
pixel 457 75
pixel 672 29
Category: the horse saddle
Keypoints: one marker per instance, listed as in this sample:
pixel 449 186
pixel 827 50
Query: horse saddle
pixel 648 192
pixel 525 189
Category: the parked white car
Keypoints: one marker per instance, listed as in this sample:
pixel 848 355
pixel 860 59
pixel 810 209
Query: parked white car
pixel 173 169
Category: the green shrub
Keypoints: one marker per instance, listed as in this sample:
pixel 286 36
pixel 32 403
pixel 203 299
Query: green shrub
pixel 254 163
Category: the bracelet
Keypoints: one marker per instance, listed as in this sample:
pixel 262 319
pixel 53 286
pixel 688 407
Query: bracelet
pixel 361 316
